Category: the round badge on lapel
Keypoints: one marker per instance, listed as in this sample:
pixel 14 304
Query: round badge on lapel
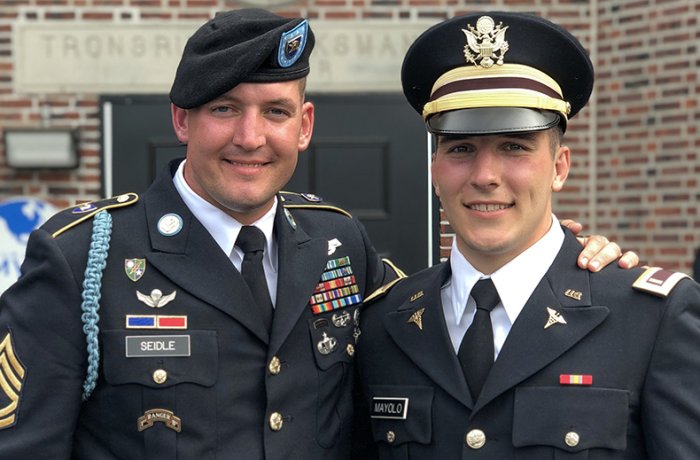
pixel 170 225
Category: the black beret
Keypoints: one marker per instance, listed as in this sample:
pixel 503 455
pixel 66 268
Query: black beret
pixel 246 45
pixel 496 72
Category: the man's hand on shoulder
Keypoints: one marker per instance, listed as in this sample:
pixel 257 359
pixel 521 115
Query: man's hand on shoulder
pixel 598 251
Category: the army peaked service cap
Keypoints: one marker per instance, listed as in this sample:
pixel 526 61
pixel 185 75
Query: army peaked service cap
pixel 496 72
pixel 247 45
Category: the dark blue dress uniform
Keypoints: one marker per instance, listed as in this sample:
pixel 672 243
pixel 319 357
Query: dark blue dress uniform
pixel 186 370
pixel 618 380
pixel 596 365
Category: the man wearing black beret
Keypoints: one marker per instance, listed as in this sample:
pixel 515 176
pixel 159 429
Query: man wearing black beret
pixel 509 350
pixel 214 316
pixel 217 316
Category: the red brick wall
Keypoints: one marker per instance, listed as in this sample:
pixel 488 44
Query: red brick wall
pixel 635 146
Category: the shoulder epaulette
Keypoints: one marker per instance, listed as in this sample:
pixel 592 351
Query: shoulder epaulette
pixel 657 281
pixel 383 290
pixel 399 273
pixel 292 200
pixel 70 217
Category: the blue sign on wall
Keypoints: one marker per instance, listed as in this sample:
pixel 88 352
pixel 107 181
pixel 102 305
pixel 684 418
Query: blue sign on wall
pixel 18 217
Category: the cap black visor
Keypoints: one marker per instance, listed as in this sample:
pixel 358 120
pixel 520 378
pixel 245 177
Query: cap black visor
pixel 492 120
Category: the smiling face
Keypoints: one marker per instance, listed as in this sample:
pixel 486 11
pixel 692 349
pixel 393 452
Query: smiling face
pixel 496 191
pixel 242 147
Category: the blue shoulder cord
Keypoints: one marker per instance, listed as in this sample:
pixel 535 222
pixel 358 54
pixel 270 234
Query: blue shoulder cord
pixel 92 284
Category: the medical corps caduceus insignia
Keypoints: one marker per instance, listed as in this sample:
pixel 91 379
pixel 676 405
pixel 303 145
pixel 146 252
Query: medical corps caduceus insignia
pixel 11 380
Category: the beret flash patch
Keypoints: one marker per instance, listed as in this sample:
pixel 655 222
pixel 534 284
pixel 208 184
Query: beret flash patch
pixel 292 45
pixel 657 281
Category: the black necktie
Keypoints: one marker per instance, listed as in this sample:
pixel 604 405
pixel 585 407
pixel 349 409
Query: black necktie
pixel 476 350
pixel 251 240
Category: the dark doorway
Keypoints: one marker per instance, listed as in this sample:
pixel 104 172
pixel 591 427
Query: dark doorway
pixel 368 155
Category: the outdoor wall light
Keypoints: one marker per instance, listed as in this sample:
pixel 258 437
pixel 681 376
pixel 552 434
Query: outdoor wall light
pixel 41 148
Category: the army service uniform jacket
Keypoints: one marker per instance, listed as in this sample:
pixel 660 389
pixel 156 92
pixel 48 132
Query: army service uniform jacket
pixel 186 369
pixel 591 369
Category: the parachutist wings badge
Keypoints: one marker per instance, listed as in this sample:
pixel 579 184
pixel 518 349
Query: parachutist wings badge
pixel 156 299
pixel 485 42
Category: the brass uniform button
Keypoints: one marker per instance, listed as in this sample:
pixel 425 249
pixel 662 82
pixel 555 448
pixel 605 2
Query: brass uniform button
pixel 160 376
pixel 276 421
pixel 476 439
pixel 275 366
pixel 350 349
pixel 390 436
pixel 572 439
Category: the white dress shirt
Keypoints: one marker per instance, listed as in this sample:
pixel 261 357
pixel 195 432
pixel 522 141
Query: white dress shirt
pixel 515 282
pixel 224 229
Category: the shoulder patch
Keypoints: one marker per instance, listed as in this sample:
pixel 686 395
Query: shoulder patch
pixel 11 381
pixel 70 217
pixel 657 281
pixel 292 200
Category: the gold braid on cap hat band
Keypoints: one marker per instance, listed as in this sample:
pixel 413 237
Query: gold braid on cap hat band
pixel 507 85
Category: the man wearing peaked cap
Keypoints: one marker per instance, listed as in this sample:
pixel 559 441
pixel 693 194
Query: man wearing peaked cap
pixel 503 73
pixel 509 349
pixel 214 316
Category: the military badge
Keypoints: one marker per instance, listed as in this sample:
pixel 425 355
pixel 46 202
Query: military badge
pixel 156 299
pixel 310 197
pixel 333 245
pixel 134 268
pixel 292 45
pixel 290 219
pixel 156 321
pixel 164 416
pixel 485 42
pixel 573 294
pixel 417 318
pixel 657 281
pixel 341 319
pixel 327 345
pixel 554 318
pixel 11 380
pixel 170 225
pixel 83 208
pixel 576 379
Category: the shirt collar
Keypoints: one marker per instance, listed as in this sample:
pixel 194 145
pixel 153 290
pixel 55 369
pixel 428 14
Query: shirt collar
pixel 222 227
pixel 515 281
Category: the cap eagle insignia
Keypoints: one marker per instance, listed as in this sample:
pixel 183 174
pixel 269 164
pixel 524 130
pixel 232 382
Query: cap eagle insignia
pixel 486 43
